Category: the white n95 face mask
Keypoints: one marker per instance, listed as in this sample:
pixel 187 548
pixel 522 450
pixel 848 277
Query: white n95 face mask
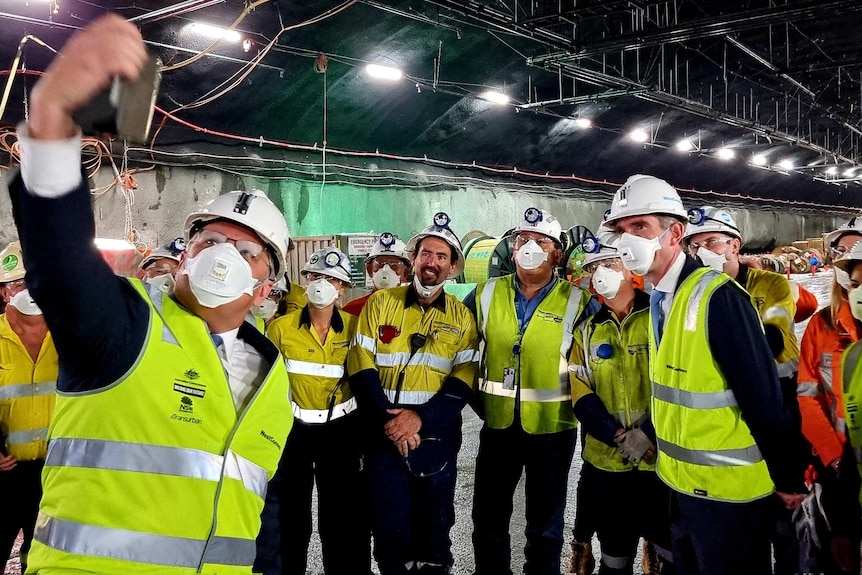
pixel 164 283
pixel 321 293
pixel 607 282
pixel 426 291
pixel 637 253
pixel 843 278
pixel 385 278
pixel 24 303
pixel 855 298
pixel 711 259
pixel 219 275
pixel 265 310
pixel 531 256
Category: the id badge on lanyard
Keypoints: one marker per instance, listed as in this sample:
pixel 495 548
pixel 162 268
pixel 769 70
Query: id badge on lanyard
pixel 510 373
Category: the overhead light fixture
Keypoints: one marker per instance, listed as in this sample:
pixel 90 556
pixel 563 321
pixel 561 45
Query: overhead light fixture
pixel 384 72
pixel 685 145
pixel 758 160
pixel 214 32
pixel 639 135
pixel 832 170
pixel 494 96
pixel 726 154
pixel 849 172
pixel 583 123
pixel 785 165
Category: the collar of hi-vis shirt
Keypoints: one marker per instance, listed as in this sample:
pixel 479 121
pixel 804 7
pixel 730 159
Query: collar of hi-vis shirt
pixel 336 323
pixel 669 281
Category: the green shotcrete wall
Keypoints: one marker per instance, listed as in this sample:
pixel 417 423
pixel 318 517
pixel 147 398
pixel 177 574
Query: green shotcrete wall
pixel 343 208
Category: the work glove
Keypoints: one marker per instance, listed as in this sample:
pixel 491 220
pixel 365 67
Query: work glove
pixel 633 444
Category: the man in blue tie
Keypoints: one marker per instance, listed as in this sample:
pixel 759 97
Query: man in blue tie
pixel 721 423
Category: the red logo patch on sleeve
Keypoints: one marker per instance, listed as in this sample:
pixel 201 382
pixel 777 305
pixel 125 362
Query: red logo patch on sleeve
pixel 386 333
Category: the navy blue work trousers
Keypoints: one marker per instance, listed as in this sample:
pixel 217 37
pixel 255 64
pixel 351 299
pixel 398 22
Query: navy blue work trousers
pixel 413 507
pixel 328 454
pixel 21 488
pixel 634 504
pixel 504 455
pixel 719 538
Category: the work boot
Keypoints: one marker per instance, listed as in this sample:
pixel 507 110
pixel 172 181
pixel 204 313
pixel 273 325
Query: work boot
pixel 651 562
pixel 583 562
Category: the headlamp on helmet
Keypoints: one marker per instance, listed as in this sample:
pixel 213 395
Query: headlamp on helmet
pixel 330 262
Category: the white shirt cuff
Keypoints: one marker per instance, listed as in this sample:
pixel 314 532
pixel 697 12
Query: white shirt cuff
pixel 49 168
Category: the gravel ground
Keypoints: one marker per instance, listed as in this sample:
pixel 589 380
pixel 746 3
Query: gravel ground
pixel 461 544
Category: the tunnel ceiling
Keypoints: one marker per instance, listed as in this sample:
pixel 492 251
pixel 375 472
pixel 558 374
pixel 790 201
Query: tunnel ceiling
pixel 777 82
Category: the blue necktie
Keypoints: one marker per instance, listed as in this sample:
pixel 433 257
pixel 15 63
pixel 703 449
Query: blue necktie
pixel 656 314
pixel 217 340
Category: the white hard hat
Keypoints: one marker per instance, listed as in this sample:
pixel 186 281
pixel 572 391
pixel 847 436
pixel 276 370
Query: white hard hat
pixel 388 244
pixel 644 195
pixel 541 222
pixel 602 246
pixel 710 219
pixel 854 226
pixel 280 285
pixel 850 258
pixel 440 229
pixel 330 262
pixel 158 254
pixel 11 263
pixel 253 210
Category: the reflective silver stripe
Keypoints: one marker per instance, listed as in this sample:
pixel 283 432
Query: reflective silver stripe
pixel 585 370
pixel 230 551
pixel 696 299
pixel 253 477
pixel 314 369
pixel 693 400
pixel 16 390
pixel 546 395
pixel 396 359
pixel 572 305
pixel 320 415
pixel 637 418
pixel 612 562
pixel 776 312
pixel 826 378
pixel 156 296
pixel 807 389
pixel 365 342
pixel 27 436
pixel 496 388
pixel 826 371
pixel 160 459
pixel 858 452
pixel 148 548
pixel 485 301
pixel 581 371
pixel 535 395
pixel 409 397
pixel 840 425
pixel 466 356
pixel 399 359
pixel 788 368
pixel 717 458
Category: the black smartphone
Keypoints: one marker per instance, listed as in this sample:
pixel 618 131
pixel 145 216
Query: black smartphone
pixel 126 109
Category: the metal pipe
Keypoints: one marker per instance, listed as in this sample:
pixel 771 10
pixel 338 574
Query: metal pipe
pixel 175 10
